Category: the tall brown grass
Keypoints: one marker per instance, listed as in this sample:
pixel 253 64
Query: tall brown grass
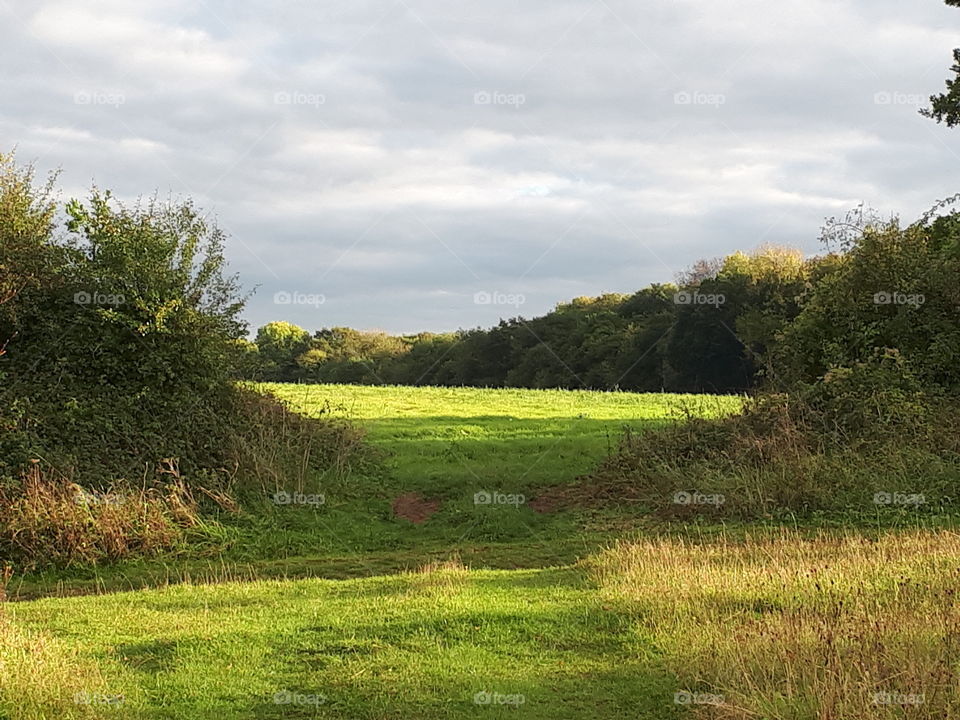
pixel 439 578
pixel 46 519
pixel 788 628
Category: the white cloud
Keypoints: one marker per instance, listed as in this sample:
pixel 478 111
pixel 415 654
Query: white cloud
pixel 130 43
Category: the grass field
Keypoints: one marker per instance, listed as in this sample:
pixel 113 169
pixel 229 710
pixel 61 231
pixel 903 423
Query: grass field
pixel 777 627
pixel 343 611
pixel 445 440
pixel 446 444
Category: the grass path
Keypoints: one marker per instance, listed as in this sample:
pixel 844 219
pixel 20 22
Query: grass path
pixel 418 645
pixel 773 626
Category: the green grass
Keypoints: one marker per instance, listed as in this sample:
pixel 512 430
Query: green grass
pixel 445 443
pixel 775 626
pixel 362 615
pixel 412 646
pixel 448 440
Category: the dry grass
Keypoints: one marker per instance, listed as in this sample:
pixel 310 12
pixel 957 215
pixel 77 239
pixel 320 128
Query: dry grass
pixel 786 457
pixel 440 577
pixel 789 628
pixel 281 449
pixel 49 520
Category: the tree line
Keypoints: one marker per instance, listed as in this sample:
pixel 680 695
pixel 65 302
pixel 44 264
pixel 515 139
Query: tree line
pixel 727 325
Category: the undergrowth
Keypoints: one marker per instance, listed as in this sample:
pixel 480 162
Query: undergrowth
pixel 866 439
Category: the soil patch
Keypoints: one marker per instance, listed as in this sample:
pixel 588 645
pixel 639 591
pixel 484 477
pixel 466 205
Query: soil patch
pixel 414 507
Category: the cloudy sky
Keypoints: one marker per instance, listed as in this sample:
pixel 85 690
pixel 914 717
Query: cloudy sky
pixel 396 158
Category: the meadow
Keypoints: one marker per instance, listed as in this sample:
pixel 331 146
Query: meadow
pixel 444 440
pixel 342 609
pixel 445 445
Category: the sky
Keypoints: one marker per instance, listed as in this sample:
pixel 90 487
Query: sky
pixel 410 165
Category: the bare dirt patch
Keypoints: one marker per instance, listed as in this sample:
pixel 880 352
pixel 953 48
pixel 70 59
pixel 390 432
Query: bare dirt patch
pixel 547 502
pixel 414 507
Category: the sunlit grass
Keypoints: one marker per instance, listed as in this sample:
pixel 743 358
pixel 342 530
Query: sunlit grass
pixel 775 625
pixel 416 645
pixel 450 438
pixel 43 676
pixel 787 627
pixel 762 623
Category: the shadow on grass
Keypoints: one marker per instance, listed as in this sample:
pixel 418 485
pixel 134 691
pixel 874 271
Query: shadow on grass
pixel 539 635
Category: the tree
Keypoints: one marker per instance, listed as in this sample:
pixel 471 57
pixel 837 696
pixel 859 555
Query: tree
pixel 945 107
pixel 895 289
pixel 280 344
pixel 27 255
pixel 150 277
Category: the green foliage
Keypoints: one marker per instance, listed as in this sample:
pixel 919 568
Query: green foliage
pixel 122 345
pixel 874 403
pixel 127 355
pixel 29 263
pixel 26 220
pixel 892 288
pixel 278 344
pixel 945 107
pixel 646 341
pixel 863 345
pixel 830 450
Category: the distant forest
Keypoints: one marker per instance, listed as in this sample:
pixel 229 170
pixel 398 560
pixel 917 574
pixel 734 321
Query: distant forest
pixel 727 325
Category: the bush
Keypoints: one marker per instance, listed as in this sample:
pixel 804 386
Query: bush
pixel 860 404
pixel 865 433
pixel 891 288
pixel 120 348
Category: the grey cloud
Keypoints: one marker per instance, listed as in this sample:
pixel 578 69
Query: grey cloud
pixel 398 157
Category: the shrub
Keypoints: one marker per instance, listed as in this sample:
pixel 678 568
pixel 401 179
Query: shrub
pixel 860 402
pixel 892 287
pixel 120 347
pixel 831 447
